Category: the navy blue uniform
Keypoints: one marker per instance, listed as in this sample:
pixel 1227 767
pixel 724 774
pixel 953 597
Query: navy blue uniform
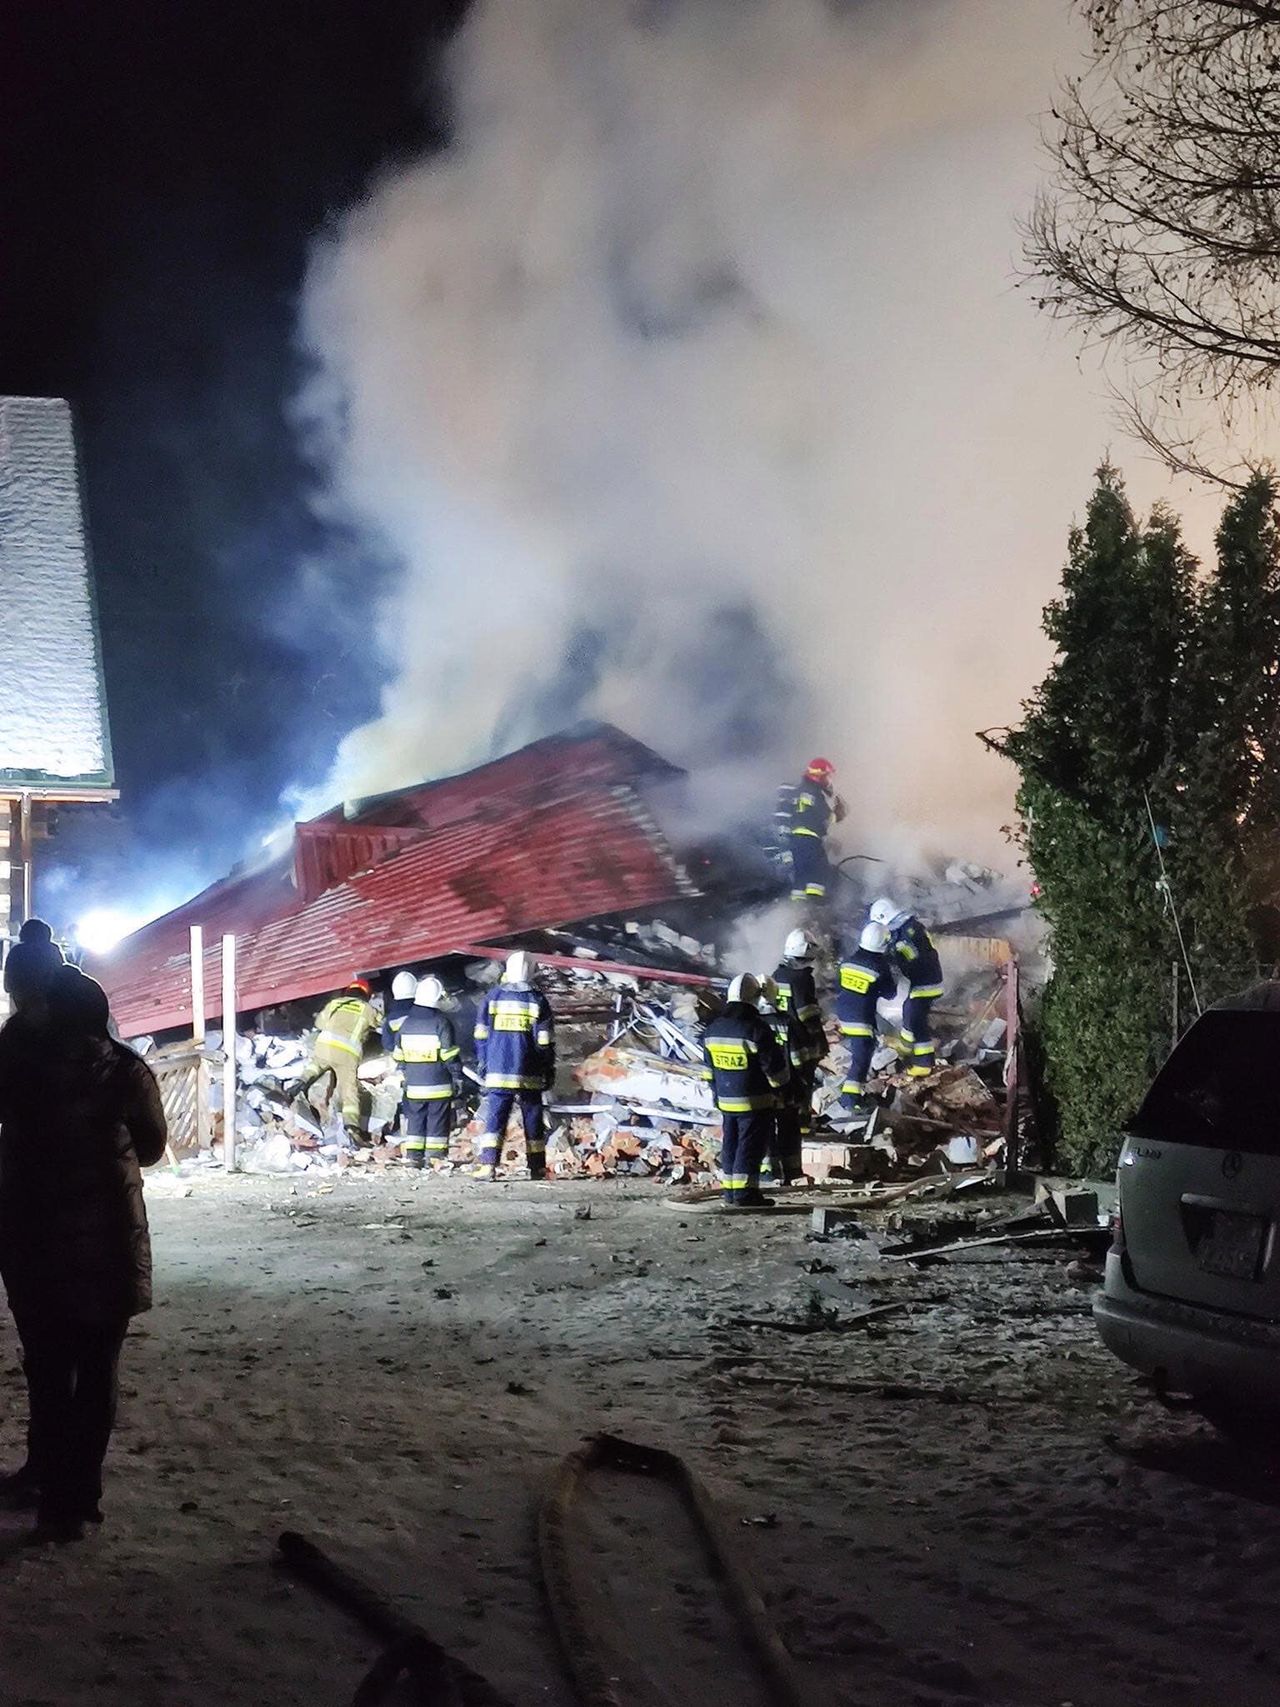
pixel 428 1053
pixel 747 1070
pixel 865 979
pixel 810 821
pixel 516 1059
pixel 795 1102
pixel 398 1011
pixel 912 952
pixel 798 996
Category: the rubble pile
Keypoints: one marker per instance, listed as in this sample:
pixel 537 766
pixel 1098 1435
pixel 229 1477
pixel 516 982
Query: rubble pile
pixel 647 1114
pixel 630 1099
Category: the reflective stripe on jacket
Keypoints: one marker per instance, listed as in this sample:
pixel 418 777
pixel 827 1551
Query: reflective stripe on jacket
pixel 865 979
pixel 794 1042
pixel 743 1061
pixel 427 1051
pixel 810 811
pixel 515 1040
pixel 912 949
pixel 345 1023
pixel 798 991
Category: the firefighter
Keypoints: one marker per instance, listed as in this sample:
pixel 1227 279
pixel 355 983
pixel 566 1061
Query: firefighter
pixel 344 1024
pixel 403 986
pixel 798 995
pixel 865 979
pixel 786 1165
pixel 813 808
pixel 429 1058
pixel 747 1070
pixel 911 953
pixel 516 1059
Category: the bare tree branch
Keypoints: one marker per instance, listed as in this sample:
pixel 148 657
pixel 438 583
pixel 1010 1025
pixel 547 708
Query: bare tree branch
pixel 1159 232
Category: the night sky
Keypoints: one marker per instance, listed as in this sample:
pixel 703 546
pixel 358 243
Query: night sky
pixel 163 167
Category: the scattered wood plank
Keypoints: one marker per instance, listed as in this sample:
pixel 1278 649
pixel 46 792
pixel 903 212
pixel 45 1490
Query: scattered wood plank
pixel 946 1250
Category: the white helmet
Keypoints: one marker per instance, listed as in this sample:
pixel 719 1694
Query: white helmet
pixel 744 988
pixel 768 1001
pixel 886 912
pixel 798 946
pixel 874 937
pixel 520 968
pixel 429 994
pixel 403 985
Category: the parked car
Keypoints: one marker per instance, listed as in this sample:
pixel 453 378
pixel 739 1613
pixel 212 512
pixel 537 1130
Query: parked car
pixel 1192 1290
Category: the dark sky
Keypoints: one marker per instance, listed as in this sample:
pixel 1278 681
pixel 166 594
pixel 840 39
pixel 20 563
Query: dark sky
pixel 163 167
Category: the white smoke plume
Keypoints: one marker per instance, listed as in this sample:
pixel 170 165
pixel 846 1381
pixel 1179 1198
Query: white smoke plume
pixel 691 387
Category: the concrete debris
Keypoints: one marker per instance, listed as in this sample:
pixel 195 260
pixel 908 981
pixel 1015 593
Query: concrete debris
pixel 628 1076
pixel 1070 1208
pixel 844 1223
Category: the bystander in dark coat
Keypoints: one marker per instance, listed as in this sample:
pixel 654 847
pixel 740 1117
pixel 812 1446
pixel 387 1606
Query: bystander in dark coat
pixel 80 1116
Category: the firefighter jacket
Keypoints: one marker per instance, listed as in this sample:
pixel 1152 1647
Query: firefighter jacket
pixel 398 1011
pixel 794 1040
pixel 798 992
pixel 912 952
pixel 428 1054
pixel 515 1040
pixel 810 811
pixel 345 1023
pixel 865 979
pixel 743 1061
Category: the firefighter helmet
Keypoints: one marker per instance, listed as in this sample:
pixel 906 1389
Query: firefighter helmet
pixel 768 991
pixel 361 986
pixel 888 913
pixel 820 770
pixel 520 968
pixel 429 994
pixel 403 985
pixel 874 936
pixel 798 946
pixel 745 988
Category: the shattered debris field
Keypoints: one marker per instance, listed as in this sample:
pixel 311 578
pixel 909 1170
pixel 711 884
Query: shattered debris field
pixel 944 1489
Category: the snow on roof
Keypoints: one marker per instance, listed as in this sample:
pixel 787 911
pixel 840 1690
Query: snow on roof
pixel 53 719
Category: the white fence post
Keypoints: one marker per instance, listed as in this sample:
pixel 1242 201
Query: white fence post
pixel 198 1035
pixel 229 1052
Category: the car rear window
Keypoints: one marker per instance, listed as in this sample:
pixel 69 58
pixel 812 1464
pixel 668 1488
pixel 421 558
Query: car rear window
pixel 1221 1086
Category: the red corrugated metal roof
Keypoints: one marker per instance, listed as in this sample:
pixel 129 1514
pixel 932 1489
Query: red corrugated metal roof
pixel 557 766
pixel 496 860
pixel 325 853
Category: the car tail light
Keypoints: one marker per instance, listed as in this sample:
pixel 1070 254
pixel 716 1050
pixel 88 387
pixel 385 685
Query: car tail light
pixel 1117 1230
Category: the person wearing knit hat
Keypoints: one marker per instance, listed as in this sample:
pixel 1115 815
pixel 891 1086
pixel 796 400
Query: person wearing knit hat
pixel 80 1117
pixel 32 963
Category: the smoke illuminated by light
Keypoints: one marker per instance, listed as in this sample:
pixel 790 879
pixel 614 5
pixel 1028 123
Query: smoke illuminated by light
pixel 103 928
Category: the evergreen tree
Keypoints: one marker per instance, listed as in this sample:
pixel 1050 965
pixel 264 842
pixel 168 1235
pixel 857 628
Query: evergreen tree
pixel 1225 781
pixel 1094 747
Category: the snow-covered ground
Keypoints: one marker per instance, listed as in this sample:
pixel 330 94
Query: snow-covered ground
pixel 395 1366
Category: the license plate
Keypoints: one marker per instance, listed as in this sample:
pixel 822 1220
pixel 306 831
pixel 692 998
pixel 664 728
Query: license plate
pixel 1233 1245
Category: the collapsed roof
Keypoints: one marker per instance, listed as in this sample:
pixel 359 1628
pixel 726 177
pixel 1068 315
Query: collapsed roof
pixel 552 835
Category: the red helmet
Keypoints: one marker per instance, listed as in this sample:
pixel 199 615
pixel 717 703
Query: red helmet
pixel 820 770
pixel 361 984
